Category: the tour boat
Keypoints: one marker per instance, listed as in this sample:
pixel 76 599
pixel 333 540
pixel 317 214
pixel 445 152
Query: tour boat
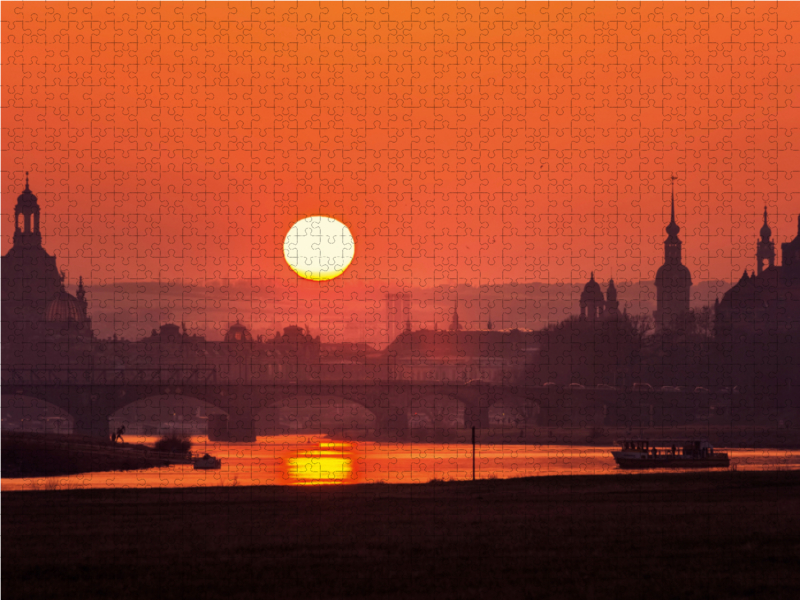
pixel 669 454
pixel 207 462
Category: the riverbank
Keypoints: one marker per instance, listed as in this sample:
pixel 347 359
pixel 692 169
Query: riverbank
pixel 46 455
pixel 697 535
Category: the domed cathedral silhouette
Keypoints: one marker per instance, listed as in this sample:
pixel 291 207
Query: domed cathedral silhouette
pixel 673 279
pixel 594 306
pixel 35 303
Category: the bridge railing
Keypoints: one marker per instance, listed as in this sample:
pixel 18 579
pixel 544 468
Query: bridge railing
pixel 128 376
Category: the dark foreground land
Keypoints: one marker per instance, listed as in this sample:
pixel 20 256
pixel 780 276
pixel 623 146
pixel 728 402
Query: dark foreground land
pixel 698 535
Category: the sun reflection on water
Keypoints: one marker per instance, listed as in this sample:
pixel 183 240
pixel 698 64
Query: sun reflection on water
pixel 330 463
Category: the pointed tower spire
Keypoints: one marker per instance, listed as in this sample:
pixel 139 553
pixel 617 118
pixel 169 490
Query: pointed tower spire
pixel 673 229
pixel 673 279
pixel 81 295
pixel 765 232
pixel 673 178
pixel 612 304
pixel 765 252
pixel 455 325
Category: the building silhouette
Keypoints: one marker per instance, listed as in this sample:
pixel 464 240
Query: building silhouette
pixel 673 279
pixel 35 303
pixel 594 306
pixel 398 313
pixel 766 302
pixel 455 324
pixel 461 356
pixel 766 247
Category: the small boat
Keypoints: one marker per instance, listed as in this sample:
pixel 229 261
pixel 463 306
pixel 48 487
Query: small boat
pixel 207 462
pixel 669 454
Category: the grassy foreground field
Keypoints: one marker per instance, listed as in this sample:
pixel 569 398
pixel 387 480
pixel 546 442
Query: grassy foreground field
pixel 699 535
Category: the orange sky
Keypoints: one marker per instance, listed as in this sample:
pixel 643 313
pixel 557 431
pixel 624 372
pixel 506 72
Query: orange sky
pixel 460 142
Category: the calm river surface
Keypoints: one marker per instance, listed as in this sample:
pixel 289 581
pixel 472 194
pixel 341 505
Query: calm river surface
pixel 315 460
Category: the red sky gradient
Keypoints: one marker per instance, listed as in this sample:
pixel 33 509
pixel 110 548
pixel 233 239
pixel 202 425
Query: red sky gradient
pixel 478 143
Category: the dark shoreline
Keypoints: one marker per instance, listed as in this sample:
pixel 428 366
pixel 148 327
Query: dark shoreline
pixel 48 455
pixel 688 535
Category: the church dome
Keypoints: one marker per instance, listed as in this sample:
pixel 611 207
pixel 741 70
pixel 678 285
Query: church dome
pixel 673 228
pixel 592 292
pixel 27 197
pixel 238 333
pixel 65 308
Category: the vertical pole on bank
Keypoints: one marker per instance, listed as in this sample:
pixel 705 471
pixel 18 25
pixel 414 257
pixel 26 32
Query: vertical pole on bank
pixel 473 453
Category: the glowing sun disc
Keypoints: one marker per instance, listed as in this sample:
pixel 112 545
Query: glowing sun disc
pixel 319 248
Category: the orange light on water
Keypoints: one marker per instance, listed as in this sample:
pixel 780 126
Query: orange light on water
pixel 320 467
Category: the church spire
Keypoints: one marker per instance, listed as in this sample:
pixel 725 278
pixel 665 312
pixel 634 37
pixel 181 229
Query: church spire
pixel 455 325
pixel 766 232
pixel 673 279
pixel 673 229
pixel 765 252
pixel 672 245
pixel 81 295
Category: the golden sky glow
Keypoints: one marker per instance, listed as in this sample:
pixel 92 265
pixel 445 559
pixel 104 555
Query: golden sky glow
pixel 478 143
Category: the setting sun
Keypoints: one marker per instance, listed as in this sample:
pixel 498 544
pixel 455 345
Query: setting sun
pixel 319 248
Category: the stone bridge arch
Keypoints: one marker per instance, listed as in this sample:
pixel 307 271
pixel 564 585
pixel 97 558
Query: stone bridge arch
pixel 333 414
pixel 24 412
pixel 144 416
pixel 91 406
pixel 387 407
pixel 479 399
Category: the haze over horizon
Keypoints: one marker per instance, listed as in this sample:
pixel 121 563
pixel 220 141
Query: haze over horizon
pixel 348 311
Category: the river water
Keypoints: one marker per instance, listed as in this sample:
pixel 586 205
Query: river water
pixel 316 460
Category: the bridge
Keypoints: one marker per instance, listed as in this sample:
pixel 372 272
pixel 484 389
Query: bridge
pixel 92 396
